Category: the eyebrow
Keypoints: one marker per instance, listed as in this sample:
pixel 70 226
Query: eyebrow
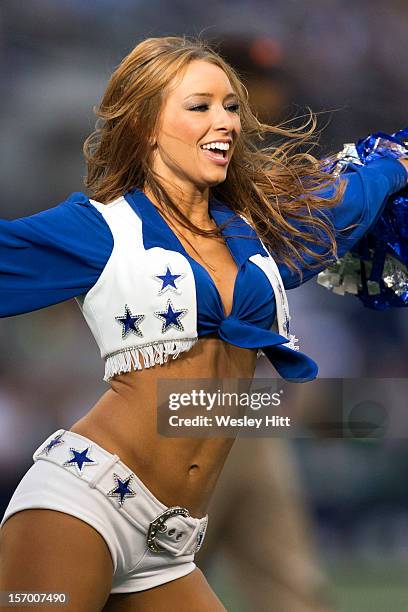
pixel 210 95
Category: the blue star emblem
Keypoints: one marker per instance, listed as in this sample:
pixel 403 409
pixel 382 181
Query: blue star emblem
pixel 168 280
pixel 130 322
pixel 122 490
pixel 171 316
pixel 201 534
pixel 52 444
pixel 200 539
pixel 79 459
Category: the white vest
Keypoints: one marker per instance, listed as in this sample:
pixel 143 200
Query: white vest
pixel 129 281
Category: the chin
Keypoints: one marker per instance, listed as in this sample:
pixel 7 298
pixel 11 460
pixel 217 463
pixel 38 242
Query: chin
pixel 215 179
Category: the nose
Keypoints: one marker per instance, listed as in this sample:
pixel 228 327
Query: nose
pixel 223 120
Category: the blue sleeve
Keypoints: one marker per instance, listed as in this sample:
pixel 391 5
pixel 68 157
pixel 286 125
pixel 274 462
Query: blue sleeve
pixel 52 256
pixel 367 190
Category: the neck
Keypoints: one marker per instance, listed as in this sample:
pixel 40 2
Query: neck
pixel 192 202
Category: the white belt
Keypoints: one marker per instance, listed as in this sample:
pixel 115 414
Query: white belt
pixel 170 530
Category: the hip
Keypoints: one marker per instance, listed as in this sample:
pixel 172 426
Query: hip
pixel 149 542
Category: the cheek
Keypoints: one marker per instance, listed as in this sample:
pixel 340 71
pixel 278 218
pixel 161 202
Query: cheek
pixel 237 125
pixel 182 129
pixel 191 131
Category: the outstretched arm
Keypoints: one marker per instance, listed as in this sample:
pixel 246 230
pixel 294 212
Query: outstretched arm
pixel 52 256
pixel 368 188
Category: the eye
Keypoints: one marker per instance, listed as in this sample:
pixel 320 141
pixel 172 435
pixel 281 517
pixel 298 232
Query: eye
pixel 233 108
pixel 199 108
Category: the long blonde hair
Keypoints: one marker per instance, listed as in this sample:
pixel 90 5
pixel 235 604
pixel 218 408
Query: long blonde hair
pixel 269 184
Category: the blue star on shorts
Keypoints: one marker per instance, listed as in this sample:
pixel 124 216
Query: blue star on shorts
pixel 122 490
pixel 80 459
pixel 171 316
pixel 52 444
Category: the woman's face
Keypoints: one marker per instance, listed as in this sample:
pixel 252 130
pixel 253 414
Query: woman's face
pixel 198 128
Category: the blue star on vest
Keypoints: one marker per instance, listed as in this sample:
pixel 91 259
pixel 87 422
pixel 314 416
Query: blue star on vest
pixel 79 459
pixel 170 317
pixel 122 490
pixel 168 280
pixel 52 444
pixel 130 322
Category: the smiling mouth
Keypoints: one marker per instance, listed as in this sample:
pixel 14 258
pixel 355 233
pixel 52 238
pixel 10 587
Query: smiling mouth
pixel 217 148
pixel 216 155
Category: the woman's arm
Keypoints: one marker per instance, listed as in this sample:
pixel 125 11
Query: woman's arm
pixel 368 188
pixel 52 256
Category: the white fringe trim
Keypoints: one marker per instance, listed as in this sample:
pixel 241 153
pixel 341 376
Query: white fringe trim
pixel 152 354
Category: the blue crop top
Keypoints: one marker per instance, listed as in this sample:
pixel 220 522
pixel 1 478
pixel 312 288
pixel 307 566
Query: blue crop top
pixel 167 299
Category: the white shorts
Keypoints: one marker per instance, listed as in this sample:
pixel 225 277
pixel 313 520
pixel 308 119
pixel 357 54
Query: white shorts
pixel 150 544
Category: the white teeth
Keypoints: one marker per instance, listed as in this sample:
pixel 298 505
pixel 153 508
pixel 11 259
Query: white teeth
pixel 224 146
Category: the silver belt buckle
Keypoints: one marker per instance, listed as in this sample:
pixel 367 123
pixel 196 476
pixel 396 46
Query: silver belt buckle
pixel 159 525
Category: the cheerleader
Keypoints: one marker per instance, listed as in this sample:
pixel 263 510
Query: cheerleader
pixel 179 262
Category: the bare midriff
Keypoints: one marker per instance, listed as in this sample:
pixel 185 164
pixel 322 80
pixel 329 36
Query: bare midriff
pixel 178 471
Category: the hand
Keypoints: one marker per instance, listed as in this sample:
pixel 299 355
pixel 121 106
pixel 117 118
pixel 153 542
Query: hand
pixel 404 162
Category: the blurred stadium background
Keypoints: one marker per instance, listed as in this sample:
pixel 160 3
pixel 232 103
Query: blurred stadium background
pixel 345 58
